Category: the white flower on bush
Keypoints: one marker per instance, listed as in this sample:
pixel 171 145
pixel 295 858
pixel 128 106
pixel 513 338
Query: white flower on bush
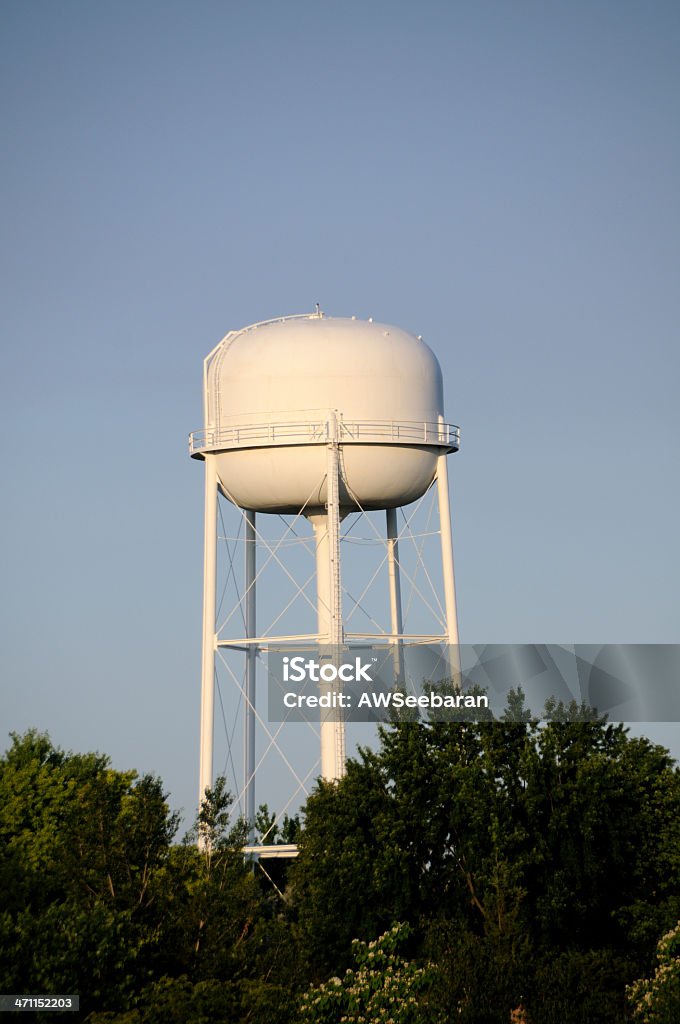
pixel 656 1000
pixel 383 989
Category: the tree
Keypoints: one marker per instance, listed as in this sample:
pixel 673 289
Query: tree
pixel 97 899
pixel 270 832
pixel 80 846
pixel 383 987
pixel 505 843
pixel 341 889
pixel 656 1000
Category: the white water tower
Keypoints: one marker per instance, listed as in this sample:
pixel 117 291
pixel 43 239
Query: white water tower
pixel 317 416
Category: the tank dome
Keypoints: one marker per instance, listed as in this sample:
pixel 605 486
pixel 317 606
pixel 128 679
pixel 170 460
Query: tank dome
pixel 276 393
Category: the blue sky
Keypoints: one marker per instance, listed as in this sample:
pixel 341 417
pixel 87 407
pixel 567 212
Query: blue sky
pixel 498 177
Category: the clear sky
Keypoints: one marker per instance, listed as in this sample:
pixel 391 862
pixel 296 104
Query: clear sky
pixel 499 177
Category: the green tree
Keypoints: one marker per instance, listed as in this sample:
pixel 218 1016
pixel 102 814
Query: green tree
pixel 382 988
pixel 507 844
pixel 80 844
pixel 269 831
pixel 656 1000
pixel 98 900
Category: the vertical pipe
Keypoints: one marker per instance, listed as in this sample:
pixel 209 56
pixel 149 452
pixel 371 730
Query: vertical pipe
pixel 205 774
pixel 333 530
pixel 251 669
pixel 334 724
pixel 447 566
pixel 397 626
pixel 319 521
pixel 329 606
pixel 332 732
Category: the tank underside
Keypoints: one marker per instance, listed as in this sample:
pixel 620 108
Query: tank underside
pixel 287 479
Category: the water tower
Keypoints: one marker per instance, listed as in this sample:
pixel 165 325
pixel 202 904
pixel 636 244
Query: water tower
pixel 317 417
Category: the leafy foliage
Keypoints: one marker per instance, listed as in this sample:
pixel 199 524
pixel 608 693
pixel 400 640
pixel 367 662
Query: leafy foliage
pixel 80 847
pixel 534 865
pixel 97 899
pixel 269 831
pixel 383 988
pixel 656 1000
pixel 516 852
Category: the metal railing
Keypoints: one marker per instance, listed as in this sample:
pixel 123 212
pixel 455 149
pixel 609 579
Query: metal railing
pixel 304 432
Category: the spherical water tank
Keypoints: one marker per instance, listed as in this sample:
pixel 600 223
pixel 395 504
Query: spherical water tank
pixel 276 393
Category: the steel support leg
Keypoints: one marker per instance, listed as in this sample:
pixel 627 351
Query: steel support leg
pixel 251 670
pixel 205 778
